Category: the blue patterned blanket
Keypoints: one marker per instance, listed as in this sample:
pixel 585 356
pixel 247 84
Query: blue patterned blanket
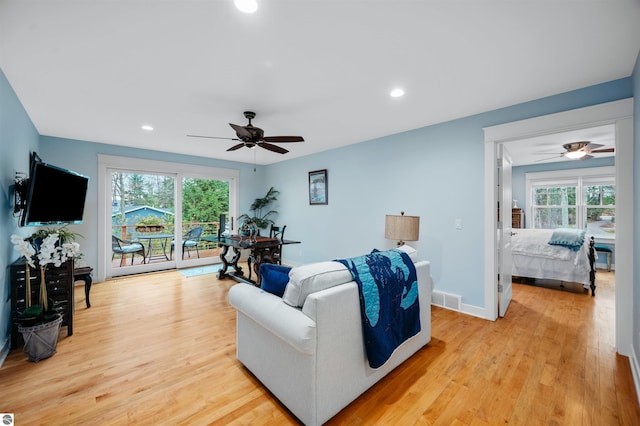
pixel 388 286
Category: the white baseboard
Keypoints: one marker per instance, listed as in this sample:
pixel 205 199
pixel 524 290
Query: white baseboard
pixel 635 371
pixel 475 311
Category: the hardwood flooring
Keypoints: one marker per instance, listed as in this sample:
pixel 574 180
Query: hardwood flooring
pixel 158 349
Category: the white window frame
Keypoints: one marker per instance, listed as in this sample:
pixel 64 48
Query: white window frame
pixel 570 177
pixel 106 163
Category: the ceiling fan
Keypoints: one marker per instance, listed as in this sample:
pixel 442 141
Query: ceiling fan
pixel 251 137
pixel 581 150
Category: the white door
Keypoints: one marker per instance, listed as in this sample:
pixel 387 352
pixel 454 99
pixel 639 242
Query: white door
pixel 504 230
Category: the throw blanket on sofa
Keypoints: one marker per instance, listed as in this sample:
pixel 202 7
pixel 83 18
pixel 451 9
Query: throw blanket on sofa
pixel 389 305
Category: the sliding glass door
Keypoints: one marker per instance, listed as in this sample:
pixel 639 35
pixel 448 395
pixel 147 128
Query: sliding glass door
pixel 203 201
pixel 160 215
pixel 142 218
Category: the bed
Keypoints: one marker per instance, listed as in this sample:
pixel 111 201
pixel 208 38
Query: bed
pixel 571 258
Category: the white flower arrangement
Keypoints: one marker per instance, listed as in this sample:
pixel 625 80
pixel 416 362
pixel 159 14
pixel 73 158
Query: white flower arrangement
pixel 50 253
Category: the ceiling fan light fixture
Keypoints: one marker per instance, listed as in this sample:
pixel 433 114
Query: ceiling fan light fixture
pixel 246 6
pixel 397 93
pixel 575 155
pixel 147 127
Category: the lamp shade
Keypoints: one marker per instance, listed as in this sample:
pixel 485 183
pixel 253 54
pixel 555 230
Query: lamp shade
pixel 401 227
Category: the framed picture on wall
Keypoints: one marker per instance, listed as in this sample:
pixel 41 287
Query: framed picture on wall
pixel 318 187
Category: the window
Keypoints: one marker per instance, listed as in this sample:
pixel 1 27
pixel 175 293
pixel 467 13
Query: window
pixel 554 207
pixel 600 209
pixel 577 198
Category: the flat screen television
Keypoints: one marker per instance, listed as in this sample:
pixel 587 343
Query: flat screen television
pixel 55 196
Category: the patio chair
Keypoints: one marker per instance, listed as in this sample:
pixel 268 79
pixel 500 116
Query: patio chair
pixel 124 247
pixel 190 241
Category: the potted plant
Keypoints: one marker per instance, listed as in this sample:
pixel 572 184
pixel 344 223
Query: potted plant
pixel 40 321
pixel 150 224
pixel 259 219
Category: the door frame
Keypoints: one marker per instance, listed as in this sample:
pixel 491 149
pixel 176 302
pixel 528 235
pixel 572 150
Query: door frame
pixel 618 113
pixel 108 162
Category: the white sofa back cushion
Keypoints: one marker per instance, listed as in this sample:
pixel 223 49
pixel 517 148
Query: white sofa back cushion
pixel 411 252
pixel 313 277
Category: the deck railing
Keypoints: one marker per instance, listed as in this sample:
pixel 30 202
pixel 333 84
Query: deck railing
pixel 129 232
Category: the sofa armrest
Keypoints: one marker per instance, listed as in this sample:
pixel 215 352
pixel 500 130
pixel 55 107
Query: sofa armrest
pixel 268 310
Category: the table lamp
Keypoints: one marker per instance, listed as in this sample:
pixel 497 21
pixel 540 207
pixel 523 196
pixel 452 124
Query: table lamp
pixel 401 227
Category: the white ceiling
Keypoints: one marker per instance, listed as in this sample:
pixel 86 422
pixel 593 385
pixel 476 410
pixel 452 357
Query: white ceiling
pixel 98 70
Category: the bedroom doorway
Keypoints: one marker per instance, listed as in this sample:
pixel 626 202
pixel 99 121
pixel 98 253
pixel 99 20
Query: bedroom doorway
pixel 620 115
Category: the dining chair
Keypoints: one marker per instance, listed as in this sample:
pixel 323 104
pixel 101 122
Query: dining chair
pixel 276 252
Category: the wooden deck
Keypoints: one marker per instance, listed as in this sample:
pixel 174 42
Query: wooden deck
pixel 137 260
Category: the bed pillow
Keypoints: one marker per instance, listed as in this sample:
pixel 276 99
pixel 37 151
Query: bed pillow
pixel 313 277
pixel 274 278
pixel 572 239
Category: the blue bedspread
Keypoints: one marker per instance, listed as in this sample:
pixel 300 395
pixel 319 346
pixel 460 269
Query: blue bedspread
pixel 388 286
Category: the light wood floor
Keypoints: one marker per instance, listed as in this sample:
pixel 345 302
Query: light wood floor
pixel 159 349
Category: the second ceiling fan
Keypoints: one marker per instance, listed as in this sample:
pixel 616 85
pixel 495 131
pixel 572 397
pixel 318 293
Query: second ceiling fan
pixel 251 137
pixel 581 150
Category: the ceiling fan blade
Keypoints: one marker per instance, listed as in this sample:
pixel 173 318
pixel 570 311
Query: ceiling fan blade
pixel 592 146
pixel 212 137
pixel 587 157
pixel 241 131
pixel 283 139
pixel 600 151
pixel 273 148
pixel 549 158
pixel 233 148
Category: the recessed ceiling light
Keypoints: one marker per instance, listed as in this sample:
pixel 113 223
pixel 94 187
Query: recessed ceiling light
pixel 246 6
pixel 396 93
pixel 147 128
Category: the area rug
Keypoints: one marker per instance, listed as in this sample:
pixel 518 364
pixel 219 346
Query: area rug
pixel 200 270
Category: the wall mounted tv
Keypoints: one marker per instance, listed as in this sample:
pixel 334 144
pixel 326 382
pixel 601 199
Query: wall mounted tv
pixel 54 196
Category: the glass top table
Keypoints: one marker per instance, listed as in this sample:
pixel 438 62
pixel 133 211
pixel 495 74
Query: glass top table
pixel 164 243
pixel 261 249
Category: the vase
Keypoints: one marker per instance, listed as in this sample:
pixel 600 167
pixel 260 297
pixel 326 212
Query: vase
pixel 41 341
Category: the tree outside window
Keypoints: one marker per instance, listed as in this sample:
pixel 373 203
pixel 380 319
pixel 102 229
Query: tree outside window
pixel 600 210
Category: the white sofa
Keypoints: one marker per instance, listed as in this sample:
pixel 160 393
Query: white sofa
pixel 312 358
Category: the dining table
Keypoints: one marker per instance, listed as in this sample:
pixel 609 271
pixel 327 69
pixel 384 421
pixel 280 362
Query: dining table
pixel 261 249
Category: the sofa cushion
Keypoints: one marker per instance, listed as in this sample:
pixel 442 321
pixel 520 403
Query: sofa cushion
pixel 274 278
pixel 411 252
pixel 307 279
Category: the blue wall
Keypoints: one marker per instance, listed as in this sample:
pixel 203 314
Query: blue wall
pixel 18 137
pixel 436 172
